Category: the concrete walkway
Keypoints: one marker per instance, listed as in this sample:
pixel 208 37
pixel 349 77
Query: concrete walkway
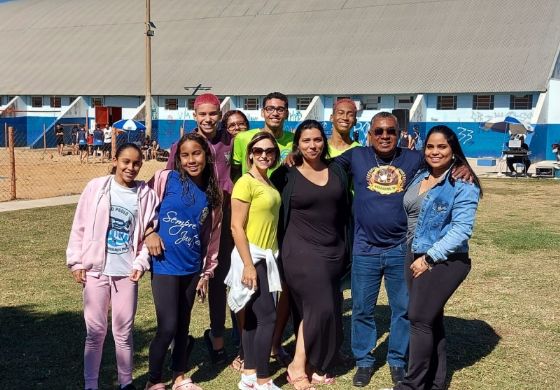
pixel 15 205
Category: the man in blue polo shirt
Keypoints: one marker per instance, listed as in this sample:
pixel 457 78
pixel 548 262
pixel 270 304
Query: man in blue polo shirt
pixel 380 174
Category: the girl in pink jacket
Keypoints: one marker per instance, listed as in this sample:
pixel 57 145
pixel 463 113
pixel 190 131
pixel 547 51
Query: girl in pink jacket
pixel 106 255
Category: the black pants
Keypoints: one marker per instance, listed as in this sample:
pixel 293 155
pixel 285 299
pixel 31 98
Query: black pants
pixel 260 317
pixel 427 366
pixel 216 287
pixel 173 298
pixel 518 160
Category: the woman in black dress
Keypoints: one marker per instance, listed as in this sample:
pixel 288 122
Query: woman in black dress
pixel 313 221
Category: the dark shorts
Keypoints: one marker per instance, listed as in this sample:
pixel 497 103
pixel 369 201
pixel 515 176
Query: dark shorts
pixel 82 146
pixel 107 147
pixel 59 140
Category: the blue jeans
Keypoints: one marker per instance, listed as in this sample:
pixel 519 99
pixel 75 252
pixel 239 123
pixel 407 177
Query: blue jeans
pixel 367 272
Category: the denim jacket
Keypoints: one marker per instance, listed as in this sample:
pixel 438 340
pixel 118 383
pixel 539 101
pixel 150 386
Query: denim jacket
pixel 446 218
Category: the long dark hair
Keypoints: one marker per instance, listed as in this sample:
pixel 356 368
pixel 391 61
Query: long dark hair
pixel 458 155
pixel 259 137
pixel 120 149
pixel 209 180
pixel 306 125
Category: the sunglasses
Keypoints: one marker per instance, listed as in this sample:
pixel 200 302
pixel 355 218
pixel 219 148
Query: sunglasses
pixel 269 152
pixel 378 131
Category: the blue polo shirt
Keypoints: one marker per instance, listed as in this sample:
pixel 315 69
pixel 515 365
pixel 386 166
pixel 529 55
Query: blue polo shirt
pixel 379 217
pixel 182 213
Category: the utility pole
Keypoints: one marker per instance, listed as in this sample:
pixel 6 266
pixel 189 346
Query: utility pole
pixel 148 99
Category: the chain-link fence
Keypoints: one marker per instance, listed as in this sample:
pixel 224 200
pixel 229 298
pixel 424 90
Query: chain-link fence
pixel 27 173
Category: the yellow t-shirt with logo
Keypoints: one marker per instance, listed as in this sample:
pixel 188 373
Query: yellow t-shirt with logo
pixel 243 138
pixel 264 209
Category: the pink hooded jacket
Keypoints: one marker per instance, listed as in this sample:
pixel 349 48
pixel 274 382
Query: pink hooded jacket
pixel 87 243
pixel 210 234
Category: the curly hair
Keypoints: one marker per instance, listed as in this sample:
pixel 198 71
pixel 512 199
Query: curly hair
pixel 209 179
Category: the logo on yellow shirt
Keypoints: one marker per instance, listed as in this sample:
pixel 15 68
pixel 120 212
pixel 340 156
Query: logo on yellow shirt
pixel 386 179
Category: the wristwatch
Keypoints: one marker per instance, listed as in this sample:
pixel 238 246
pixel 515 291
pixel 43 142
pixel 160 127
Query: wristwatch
pixel 429 260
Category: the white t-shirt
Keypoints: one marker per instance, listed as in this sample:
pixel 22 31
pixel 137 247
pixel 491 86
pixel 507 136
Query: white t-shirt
pixel 107 135
pixel 123 214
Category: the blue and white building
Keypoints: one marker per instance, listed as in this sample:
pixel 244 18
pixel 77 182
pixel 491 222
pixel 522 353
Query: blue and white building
pixel 453 62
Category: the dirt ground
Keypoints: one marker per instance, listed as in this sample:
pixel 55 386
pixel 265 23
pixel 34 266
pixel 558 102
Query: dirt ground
pixel 44 174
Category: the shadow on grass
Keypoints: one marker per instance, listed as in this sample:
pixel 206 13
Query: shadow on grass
pixel 468 341
pixel 45 350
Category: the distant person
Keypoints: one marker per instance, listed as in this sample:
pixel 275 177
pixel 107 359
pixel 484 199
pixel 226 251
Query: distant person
pixel 147 149
pixel 59 134
pixel 108 260
pixel 511 160
pixel 74 139
pixel 405 139
pixel 90 141
pixel 83 144
pixel 154 150
pixel 235 121
pixel 416 141
pixel 98 137
pixel 107 141
pixel 556 151
pixel 440 213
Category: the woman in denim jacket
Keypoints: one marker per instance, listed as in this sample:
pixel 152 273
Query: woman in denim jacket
pixel 441 213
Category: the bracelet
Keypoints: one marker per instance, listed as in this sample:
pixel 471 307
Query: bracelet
pixel 428 265
pixel 146 235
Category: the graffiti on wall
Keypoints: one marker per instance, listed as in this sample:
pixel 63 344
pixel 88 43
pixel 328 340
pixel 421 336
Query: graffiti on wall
pixel 465 135
pixel 484 116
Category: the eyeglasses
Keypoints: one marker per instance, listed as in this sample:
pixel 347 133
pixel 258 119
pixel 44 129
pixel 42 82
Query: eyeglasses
pixel 378 131
pixel 240 125
pixel 259 151
pixel 271 109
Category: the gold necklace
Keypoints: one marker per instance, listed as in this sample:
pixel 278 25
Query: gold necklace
pixel 384 170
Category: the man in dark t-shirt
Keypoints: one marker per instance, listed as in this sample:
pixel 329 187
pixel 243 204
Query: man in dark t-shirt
pixel 380 174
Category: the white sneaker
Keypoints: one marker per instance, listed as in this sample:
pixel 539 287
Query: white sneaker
pixel 247 382
pixel 267 386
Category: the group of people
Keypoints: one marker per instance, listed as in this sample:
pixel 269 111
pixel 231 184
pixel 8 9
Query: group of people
pixel 86 143
pixel 267 222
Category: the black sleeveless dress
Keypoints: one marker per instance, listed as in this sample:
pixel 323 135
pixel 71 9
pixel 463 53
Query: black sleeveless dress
pixel 312 255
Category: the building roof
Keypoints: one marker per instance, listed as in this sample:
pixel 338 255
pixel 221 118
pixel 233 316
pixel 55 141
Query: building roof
pixel 252 47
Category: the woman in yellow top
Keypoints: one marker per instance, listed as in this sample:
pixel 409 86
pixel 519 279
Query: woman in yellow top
pixel 255 208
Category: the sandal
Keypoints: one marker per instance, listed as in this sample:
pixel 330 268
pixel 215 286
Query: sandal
pixel 317 379
pixel 295 381
pixel 282 357
pixel 216 356
pixel 238 364
pixel 186 384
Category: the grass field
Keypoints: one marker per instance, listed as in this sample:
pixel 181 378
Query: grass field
pixel 503 324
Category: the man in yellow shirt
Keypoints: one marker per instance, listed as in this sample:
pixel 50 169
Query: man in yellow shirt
pixel 275 113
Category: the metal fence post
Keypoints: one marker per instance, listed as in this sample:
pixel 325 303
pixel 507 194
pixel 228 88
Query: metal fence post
pixel 12 163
